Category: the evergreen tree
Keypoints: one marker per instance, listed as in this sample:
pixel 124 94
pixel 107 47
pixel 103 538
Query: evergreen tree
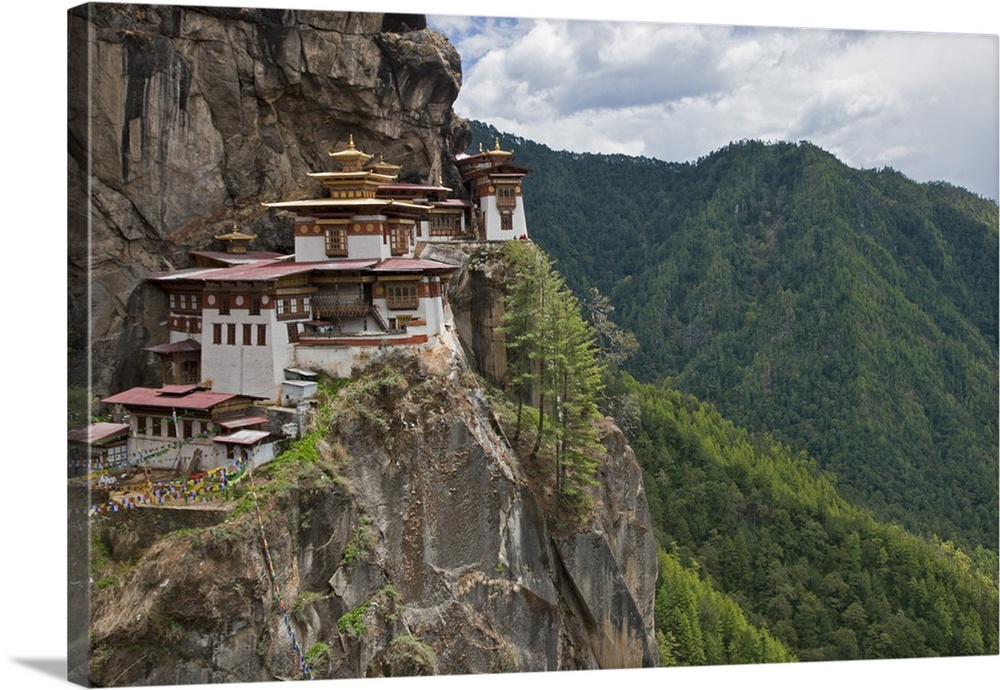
pixel 553 366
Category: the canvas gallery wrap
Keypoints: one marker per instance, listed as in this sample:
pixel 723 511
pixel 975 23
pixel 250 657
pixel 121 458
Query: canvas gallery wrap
pixel 420 345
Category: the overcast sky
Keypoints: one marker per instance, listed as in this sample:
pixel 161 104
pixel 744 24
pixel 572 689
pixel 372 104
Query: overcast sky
pixel 922 103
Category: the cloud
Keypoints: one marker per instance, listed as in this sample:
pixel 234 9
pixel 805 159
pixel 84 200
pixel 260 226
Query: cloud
pixel 925 104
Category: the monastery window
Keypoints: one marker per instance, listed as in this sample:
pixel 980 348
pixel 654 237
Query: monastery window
pixel 188 429
pixel 444 225
pixel 255 305
pixel 293 332
pixel 506 221
pixel 224 304
pixel 262 334
pixel 247 335
pixel 231 334
pixel 171 428
pixel 290 307
pixel 400 240
pixel 336 240
pixel 189 371
pixel 401 296
pixel 117 455
pixel 506 198
pixel 217 334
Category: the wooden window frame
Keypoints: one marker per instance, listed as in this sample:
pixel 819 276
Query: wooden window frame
pixel 402 295
pixel 336 240
pixel 399 240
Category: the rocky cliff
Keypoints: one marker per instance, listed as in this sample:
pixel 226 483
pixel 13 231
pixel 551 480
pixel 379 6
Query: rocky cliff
pixel 410 542
pixel 406 537
pixel 183 119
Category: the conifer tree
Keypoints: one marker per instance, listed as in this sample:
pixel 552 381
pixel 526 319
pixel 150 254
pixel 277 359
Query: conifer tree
pixel 553 364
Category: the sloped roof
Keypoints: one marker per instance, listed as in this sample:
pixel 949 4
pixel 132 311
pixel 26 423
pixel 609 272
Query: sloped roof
pixel 228 259
pixel 411 266
pixel 244 437
pixel 170 398
pixel 189 345
pixel 98 432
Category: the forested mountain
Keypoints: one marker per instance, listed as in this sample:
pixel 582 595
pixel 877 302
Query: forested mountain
pixel 761 558
pixel 767 528
pixel 850 313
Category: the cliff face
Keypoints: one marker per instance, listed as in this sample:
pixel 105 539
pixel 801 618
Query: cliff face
pixel 412 544
pixel 411 540
pixel 189 117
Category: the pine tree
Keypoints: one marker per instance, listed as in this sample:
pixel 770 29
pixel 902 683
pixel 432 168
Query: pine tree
pixel 554 365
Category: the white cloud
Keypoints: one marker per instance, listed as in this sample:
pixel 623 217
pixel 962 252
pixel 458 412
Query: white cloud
pixel 925 104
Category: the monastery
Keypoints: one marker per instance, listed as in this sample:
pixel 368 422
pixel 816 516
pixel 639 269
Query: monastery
pixel 249 330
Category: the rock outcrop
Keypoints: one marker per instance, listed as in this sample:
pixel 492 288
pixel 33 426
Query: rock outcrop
pixel 183 119
pixel 412 541
pixel 413 544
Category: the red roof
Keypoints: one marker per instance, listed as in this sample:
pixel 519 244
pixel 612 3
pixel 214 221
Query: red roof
pixel 167 398
pixel 98 432
pixel 189 345
pixel 256 270
pixel 269 270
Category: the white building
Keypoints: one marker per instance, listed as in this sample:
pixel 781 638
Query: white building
pixel 238 320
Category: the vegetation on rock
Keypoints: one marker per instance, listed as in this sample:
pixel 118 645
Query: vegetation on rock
pixel 766 527
pixel 554 370
pixel 849 313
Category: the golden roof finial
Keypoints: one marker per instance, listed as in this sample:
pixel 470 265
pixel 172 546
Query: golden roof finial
pixel 480 147
pixel 497 146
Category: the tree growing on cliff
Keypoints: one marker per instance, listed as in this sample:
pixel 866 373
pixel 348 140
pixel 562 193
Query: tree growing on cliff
pixel 554 367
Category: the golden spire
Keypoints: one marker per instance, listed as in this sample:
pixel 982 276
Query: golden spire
pixel 496 147
pixel 351 159
pixel 480 147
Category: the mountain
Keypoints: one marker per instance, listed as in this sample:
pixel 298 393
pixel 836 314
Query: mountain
pixel 850 313
pixel 763 526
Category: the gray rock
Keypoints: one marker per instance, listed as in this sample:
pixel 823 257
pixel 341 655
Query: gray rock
pixel 187 118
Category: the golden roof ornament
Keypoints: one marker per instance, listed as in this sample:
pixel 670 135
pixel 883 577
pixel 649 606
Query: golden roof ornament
pixel 235 234
pixel 351 159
